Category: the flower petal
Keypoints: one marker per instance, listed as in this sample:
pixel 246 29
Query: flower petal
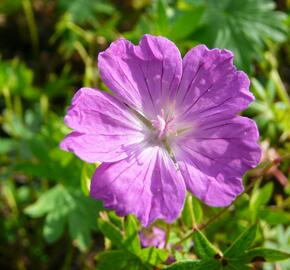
pixel 104 148
pixel 104 128
pixel 214 159
pixel 211 85
pixel 147 185
pixel 93 111
pixel 143 76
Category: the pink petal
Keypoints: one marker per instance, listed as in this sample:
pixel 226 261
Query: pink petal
pixel 211 85
pixel 104 129
pixel 144 76
pixel 214 158
pixel 105 148
pixel 147 185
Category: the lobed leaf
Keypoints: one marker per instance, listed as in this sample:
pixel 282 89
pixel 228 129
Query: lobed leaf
pixel 132 241
pixel 243 242
pixel 204 264
pixel 264 255
pixel 54 225
pixel 183 265
pixel 241 26
pixel 111 231
pixel 113 260
pixel 153 256
pixel 259 198
pixel 203 248
pixel 185 22
pixel 62 206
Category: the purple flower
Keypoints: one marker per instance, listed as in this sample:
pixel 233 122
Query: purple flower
pixel 171 125
pixel 156 237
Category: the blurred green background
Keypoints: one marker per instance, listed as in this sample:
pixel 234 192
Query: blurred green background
pixel 49 48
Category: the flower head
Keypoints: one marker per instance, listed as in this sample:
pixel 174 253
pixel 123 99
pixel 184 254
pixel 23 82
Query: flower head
pixel 171 125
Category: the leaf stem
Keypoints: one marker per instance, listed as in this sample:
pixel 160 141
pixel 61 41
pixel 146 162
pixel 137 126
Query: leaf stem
pixel 202 226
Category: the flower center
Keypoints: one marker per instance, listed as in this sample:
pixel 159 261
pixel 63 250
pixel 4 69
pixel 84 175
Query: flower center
pixel 162 125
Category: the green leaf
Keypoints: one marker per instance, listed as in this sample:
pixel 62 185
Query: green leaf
pixel 203 248
pixel 153 256
pixel 113 260
pixel 258 89
pixel 187 212
pixel 208 264
pixel 83 219
pixel 161 17
pixel 132 242
pixel 197 210
pixel 54 225
pixel 204 264
pixel 64 205
pixel 241 26
pixel 192 211
pixel 185 22
pixel 9 7
pixel 79 230
pixel 111 231
pixel 47 202
pixel 259 198
pixel 183 265
pixel 264 255
pixel 7 145
pixel 18 78
pixel 243 242
pixel 274 216
pixel 237 266
pixel 83 11
pixel 86 176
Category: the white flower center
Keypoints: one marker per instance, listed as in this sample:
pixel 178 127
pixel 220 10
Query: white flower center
pixel 163 125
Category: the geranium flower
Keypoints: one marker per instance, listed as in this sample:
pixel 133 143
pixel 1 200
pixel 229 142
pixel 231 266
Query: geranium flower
pixel 170 125
pixel 156 237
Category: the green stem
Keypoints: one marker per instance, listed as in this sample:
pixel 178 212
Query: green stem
pixel 88 78
pixel 201 226
pixel 194 224
pixel 7 98
pixel 168 230
pixel 27 7
pixel 79 31
pixel 282 92
pixel 44 104
pixel 8 104
pixel 18 106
